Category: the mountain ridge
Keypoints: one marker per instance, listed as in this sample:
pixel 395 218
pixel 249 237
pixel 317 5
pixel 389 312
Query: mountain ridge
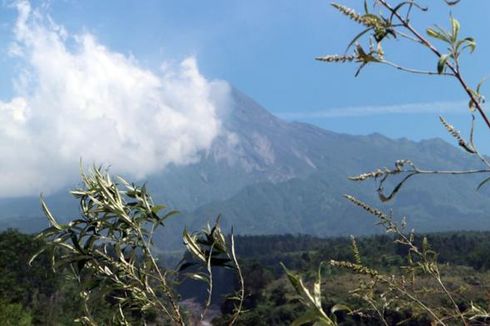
pixel 266 175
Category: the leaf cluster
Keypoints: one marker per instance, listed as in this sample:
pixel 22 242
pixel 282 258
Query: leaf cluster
pixel 210 249
pixel 108 248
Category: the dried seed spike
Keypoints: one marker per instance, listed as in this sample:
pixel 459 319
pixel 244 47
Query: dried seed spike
pixel 357 268
pixel 355 251
pixel 374 211
pixel 351 13
pixel 373 174
pixel 336 58
pixel 368 20
pixel 456 134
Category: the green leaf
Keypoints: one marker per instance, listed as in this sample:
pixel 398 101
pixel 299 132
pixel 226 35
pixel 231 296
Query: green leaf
pixel 358 36
pixel 184 265
pixel 452 3
pixel 309 317
pixel 469 43
pixel 455 27
pixel 36 255
pixel 300 288
pixel 441 64
pixel 157 208
pixel 317 294
pixel 313 302
pixel 50 216
pixel 89 243
pixel 198 277
pixel 340 307
pixel 440 35
pixel 480 84
pixel 76 242
pixel 169 214
pixel 46 233
pixel 193 247
pixel 483 183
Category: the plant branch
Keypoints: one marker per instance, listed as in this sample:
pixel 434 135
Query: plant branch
pixel 454 69
pixel 240 279
pixel 449 295
pixel 414 71
pixel 175 306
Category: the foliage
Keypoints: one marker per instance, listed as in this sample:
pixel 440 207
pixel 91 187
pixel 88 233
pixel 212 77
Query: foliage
pixel 399 290
pixel 270 301
pixel 464 261
pixel 109 252
pixel 209 248
pixel 313 301
pixel 381 291
pixel 15 252
pixel 109 249
pixel 34 290
pixel 395 21
pixel 13 314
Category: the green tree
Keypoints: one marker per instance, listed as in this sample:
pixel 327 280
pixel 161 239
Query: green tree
pixel 35 288
pixel 13 314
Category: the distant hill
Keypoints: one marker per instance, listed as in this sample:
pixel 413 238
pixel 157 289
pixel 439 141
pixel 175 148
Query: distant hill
pixel 269 176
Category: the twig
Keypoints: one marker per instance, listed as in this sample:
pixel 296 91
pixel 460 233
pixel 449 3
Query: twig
pixel 240 279
pixel 455 71
pixel 414 71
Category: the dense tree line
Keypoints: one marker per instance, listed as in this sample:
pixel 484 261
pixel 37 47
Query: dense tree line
pixel 270 299
pixel 469 248
pixel 34 294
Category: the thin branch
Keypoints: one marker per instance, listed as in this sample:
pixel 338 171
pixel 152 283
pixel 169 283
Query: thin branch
pixel 240 279
pixel 414 71
pixel 210 283
pixel 449 295
pixel 417 171
pixel 455 71
pixel 408 37
pixel 381 315
pixel 472 143
pixel 175 307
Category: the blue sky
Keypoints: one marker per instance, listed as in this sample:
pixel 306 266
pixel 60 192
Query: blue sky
pixel 264 48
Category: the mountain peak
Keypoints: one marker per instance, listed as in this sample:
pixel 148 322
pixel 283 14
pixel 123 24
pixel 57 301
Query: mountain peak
pixel 245 110
pixel 266 175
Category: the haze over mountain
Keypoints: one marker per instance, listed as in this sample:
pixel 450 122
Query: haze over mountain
pixel 265 175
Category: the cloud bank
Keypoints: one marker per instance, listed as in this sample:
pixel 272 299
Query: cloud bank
pixel 359 111
pixel 75 99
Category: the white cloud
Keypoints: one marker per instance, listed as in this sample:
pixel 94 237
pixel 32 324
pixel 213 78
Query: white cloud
pixel 78 99
pixel 357 111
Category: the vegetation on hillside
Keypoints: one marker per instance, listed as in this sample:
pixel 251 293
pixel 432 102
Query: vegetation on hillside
pixel 101 268
pixel 35 295
pixel 109 251
pixel 382 291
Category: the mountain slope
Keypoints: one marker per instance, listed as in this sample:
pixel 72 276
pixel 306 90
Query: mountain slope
pixel 266 175
pixel 315 205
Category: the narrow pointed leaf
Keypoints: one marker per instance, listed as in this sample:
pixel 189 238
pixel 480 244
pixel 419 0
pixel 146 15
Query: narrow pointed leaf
pixel 441 64
pixel 50 216
pixel 455 27
pixel 481 184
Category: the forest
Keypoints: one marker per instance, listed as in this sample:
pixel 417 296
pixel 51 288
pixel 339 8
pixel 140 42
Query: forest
pixel 104 266
pixel 41 297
